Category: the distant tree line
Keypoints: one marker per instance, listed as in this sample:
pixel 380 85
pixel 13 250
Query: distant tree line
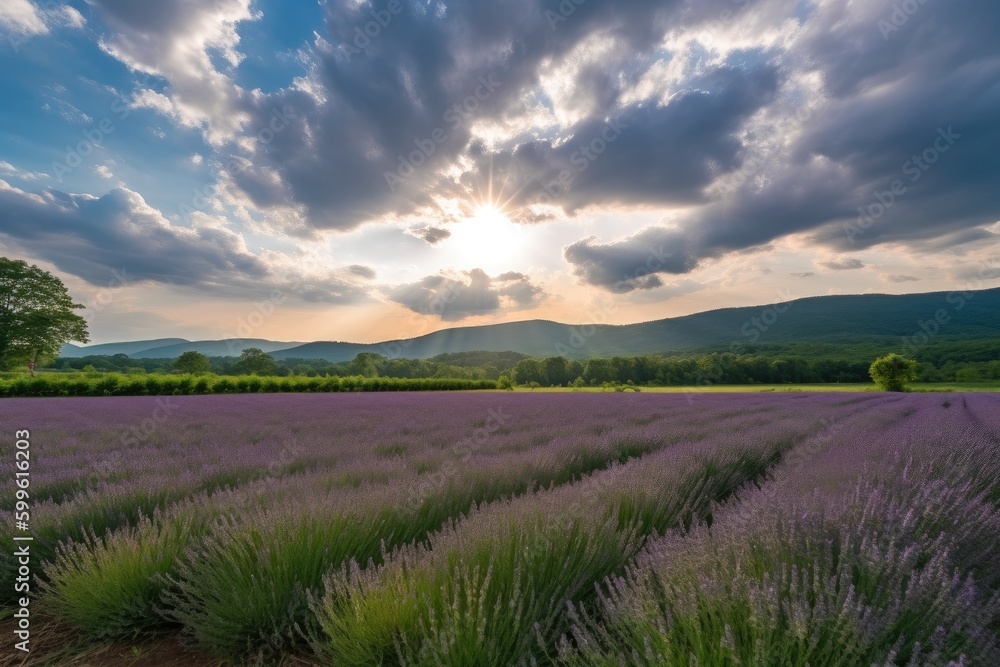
pixel 458 365
pixel 512 367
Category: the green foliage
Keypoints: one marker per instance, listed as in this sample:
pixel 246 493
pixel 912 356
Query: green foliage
pixel 109 586
pixel 119 384
pixel 940 360
pixel 36 314
pixel 193 363
pixel 893 371
pixel 366 365
pixel 254 361
pixel 528 371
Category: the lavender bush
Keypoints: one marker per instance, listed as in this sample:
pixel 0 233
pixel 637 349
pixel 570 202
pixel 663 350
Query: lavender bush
pixel 500 529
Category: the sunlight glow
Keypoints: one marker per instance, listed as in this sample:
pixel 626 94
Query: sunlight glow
pixel 488 239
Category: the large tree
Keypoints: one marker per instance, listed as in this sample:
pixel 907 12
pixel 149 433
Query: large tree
pixel 193 362
pixel 36 314
pixel 254 361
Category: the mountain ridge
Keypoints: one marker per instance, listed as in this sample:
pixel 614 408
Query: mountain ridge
pixel 956 315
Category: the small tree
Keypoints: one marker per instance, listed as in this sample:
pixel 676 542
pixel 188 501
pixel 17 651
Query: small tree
pixel 254 361
pixel 193 362
pixel 505 382
pixel 893 371
pixel 36 314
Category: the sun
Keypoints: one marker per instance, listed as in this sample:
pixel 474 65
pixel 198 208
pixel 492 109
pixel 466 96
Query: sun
pixel 490 214
pixel 488 238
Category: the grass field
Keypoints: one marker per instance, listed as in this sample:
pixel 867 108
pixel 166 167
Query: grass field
pixel 757 388
pixel 496 528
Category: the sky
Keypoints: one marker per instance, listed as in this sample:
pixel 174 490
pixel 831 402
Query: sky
pixel 363 171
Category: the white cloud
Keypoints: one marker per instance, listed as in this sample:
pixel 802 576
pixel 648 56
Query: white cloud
pixel 9 170
pixel 176 40
pixel 22 17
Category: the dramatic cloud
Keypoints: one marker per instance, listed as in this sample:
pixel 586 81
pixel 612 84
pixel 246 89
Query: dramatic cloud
pixel 470 295
pixel 119 237
pixel 794 131
pixel 632 263
pixel 453 96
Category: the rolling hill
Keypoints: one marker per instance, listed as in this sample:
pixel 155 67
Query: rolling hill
pixel 171 348
pixel 833 320
pixel 110 349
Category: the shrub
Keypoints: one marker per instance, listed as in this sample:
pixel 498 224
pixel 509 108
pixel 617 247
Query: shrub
pixel 893 371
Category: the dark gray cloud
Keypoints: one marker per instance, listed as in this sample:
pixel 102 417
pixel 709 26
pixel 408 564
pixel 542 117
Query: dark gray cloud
pixel 475 293
pixel 915 111
pixel 118 238
pixel 91 236
pixel 633 263
pixel 432 235
pixel 900 278
pixel 846 264
pixel 644 153
pixel 899 144
pixel 804 274
pixel 363 271
pixel 378 112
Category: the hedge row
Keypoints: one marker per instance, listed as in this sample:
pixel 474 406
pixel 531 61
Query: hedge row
pixel 114 384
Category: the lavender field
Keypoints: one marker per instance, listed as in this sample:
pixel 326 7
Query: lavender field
pixel 507 529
